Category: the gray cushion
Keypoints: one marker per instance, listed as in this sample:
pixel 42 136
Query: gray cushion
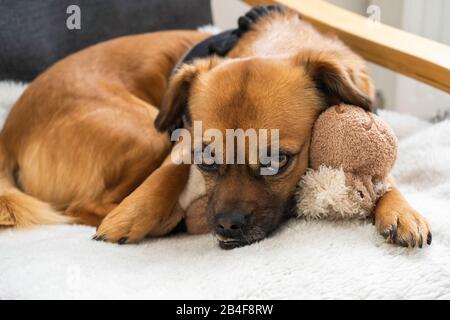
pixel 33 34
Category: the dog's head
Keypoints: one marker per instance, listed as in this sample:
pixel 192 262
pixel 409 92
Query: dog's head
pixel 255 93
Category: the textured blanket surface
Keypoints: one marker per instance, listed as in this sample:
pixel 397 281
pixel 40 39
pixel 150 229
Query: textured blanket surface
pixel 304 259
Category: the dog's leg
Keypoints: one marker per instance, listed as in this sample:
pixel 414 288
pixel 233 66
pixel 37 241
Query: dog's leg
pixel 398 222
pixel 148 208
pixel 168 224
pixel 90 213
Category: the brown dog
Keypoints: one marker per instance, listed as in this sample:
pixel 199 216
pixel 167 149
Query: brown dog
pixel 81 140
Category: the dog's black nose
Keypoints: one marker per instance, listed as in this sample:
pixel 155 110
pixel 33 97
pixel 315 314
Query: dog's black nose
pixel 230 223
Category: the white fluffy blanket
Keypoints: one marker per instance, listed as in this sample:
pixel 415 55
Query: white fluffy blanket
pixel 331 260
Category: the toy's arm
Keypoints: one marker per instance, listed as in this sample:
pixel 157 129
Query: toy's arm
pixel 396 220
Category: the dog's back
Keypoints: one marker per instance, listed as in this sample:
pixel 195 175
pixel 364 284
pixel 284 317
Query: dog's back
pixel 81 136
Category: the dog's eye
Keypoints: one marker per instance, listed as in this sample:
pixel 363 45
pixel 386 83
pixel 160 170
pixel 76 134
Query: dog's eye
pixel 208 163
pixel 208 167
pixel 277 165
pixel 283 160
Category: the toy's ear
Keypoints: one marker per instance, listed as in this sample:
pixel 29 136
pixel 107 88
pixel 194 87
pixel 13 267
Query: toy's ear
pixel 175 102
pixel 333 80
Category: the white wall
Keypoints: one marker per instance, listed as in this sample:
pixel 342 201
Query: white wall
pixel 226 12
pixel 430 19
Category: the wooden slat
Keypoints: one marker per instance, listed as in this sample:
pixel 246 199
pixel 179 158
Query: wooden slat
pixel 414 56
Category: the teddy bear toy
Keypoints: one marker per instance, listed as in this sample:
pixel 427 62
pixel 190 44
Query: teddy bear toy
pixel 351 154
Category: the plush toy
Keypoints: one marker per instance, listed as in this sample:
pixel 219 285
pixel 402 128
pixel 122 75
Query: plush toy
pixel 351 154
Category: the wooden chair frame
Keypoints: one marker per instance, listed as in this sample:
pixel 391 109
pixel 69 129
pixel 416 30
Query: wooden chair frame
pixel 411 55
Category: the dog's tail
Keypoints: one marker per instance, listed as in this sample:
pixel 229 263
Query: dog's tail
pixel 18 209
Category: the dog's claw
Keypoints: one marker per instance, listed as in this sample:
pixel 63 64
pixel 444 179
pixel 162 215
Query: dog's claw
pixel 99 237
pixel 390 234
pixel 393 233
pixel 123 240
pixel 429 238
pixel 404 244
pixel 413 241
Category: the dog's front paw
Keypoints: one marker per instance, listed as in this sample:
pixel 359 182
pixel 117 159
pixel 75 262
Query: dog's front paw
pixel 119 227
pixel 403 226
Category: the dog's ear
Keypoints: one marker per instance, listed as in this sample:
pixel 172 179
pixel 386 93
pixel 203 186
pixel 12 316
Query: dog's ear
pixel 175 102
pixel 333 80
